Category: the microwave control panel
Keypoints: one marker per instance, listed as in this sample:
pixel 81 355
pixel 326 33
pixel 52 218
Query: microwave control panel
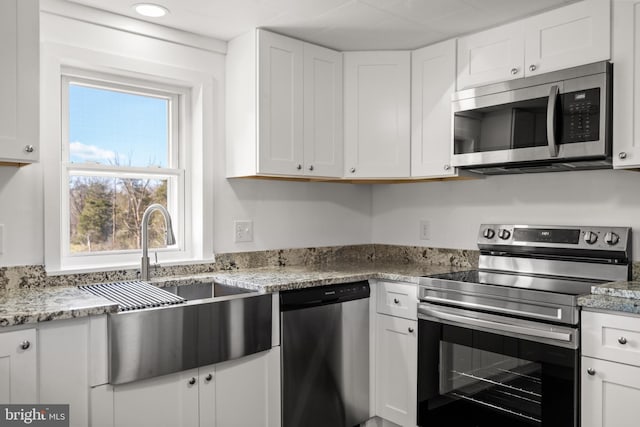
pixel 581 116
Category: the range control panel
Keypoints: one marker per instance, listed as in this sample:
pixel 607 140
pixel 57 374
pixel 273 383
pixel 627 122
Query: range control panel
pixel 578 237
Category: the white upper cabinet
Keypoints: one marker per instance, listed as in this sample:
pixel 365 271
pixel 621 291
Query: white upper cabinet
pixel 19 81
pixel 323 148
pixel 626 68
pixel 376 117
pixel 283 106
pixel 432 84
pixel 491 56
pixel 280 64
pixel 569 36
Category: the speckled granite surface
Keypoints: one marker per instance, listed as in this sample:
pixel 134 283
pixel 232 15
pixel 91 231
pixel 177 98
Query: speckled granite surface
pixel 21 306
pixel 614 296
pixel 274 279
pixel 28 294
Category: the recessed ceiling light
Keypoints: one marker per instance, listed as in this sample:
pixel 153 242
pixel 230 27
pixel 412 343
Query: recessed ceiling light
pixel 150 10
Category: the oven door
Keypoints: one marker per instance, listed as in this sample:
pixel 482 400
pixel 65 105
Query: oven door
pixel 481 370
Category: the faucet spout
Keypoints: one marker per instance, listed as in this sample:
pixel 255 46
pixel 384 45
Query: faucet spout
pixel 170 237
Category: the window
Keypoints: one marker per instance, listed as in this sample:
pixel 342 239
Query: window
pixel 122 150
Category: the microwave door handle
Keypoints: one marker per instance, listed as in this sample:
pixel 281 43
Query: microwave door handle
pixel 551 120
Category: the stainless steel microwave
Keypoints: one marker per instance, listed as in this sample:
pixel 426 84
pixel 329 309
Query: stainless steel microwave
pixel 551 122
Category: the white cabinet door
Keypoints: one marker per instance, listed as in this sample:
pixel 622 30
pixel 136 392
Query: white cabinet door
pixel 626 96
pixel 323 133
pixel 167 401
pixel 376 116
pixel 207 396
pixel 280 97
pixel 248 391
pixel 433 82
pixel 610 396
pixel 491 56
pixel 396 369
pixel 64 360
pixel 567 37
pixel 19 81
pixel 18 367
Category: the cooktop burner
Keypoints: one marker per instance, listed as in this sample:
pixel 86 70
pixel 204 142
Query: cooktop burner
pixel 537 283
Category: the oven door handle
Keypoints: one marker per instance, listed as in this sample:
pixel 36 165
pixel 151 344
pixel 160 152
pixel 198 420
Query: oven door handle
pixel 490 324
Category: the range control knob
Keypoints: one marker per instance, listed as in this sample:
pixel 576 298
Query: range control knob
pixel 489 233
pixel 590 237
pixel 611 238
pixel 504 234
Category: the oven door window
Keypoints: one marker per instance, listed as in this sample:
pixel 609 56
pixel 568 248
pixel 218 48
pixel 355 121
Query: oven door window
pixel 470 378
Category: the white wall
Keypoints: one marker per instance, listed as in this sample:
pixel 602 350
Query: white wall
pixel 455 209
pixel 285 214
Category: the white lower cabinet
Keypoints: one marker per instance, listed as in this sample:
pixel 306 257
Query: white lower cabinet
pixel 237 393
pixel 169 400
pixel 610 378
pixel 610 396
pixel 18 382
pixel 396 369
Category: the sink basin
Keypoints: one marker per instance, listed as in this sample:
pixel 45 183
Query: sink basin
pixel 216 323
pixel 206 290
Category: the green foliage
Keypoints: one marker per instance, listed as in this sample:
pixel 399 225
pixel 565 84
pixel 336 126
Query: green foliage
pixel 106 213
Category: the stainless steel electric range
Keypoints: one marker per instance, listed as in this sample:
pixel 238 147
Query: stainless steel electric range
pixel 499 346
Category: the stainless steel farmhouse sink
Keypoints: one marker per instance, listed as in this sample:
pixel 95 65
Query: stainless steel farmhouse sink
pixel 200 325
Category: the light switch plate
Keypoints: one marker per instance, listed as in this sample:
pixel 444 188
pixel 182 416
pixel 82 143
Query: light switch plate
pixel 243 231
pixel 425 230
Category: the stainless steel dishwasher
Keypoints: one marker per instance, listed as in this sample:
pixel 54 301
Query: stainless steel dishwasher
pixel 325 355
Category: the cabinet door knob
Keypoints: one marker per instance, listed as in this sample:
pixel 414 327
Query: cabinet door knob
pixel 28 148
pixel 410 330
pixel 352 170
pixel 299 167
pixel 25 345
pixel 591 371
pixel 208 378
pixel 396 301
pixel 311 167
pixel 447 167
pixel 514 71
pixel 532 67
pixel 622 155
pixel 622 340
pixel 192 381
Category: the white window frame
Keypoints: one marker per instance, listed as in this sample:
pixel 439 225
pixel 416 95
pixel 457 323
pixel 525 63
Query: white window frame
pixel 178 192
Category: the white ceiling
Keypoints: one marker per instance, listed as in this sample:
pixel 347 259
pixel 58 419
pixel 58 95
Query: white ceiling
pixel 340 24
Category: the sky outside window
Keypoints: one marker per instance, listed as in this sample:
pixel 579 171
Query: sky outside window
pixel 117 128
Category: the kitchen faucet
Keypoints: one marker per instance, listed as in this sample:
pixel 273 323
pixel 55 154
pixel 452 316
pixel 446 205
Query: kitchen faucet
pixel 171 238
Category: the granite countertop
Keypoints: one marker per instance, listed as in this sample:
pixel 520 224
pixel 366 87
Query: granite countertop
pixel 32 305
pixel 614 296
pixel 21 306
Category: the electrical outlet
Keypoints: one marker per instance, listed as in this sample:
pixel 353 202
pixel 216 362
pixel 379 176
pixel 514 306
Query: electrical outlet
pixel 425 230
pixel 243 231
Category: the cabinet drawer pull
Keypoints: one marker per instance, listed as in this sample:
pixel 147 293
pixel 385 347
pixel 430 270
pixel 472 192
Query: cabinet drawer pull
pixel 622 340
pixel 28 148
pixel 622 155
pixel 591 371
pixel 352 170
pixel 410 330
pixel 208 378
pixel 311 167
pixel 396 301
pixel 532 67
pixel 25 345
pixel 514 71
pixel 299 167
pixel 192 381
